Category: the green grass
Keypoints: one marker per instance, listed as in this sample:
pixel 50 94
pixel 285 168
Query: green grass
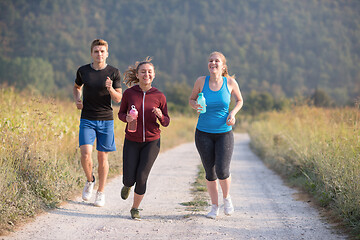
pixel 199 192
pixel 39 155
pixel 319 150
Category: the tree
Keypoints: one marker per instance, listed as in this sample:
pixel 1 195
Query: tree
pixel 177 94
pixel 256 102
pixel 33 73
pixel 320 98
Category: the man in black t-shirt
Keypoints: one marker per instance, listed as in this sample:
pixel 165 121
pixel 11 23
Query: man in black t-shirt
pixel 98 84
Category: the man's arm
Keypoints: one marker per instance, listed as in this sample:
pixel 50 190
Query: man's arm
pixel 77 92
pixel 115 93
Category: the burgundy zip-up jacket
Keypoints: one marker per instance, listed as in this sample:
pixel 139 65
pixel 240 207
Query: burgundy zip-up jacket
pixel 147 126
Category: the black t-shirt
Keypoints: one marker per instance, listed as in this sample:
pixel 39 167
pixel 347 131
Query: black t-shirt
pixel 96 97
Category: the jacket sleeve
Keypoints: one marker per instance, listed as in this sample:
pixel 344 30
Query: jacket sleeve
pixel 123 108
pixel 165 120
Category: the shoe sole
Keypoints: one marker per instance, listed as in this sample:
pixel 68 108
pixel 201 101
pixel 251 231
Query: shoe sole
pixel 99 205
pixel 86 199
pixel 230 213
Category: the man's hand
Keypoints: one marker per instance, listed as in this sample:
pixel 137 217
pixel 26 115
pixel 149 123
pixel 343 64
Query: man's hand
pixel 108 83
pixel 79 104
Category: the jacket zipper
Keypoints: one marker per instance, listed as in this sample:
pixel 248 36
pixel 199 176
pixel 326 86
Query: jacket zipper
pixel 143 115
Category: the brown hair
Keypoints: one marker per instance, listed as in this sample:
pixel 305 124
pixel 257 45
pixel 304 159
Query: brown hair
pixel 130 78
pixel 225 72
pixel 99 42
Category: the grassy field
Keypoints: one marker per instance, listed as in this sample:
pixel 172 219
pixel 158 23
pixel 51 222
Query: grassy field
pixel 319 150
pixel 39 155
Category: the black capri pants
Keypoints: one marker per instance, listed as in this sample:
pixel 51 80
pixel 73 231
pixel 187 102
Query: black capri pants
pixel 215 151
pixel 138 159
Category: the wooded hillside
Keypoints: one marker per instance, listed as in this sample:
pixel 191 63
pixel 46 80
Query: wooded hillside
pixel 284 47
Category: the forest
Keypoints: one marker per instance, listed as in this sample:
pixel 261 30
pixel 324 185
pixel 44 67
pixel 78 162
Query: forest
pixel 276 49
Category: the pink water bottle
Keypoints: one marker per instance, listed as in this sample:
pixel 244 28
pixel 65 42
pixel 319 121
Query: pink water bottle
pixel 133 124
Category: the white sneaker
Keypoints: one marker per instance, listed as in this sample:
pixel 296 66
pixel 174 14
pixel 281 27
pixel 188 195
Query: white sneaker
pixel 100 199
pixel 87 192
pixel 214 211
pixel 228 206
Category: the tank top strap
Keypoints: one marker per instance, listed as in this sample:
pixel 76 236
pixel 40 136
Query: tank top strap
pixel 206 84
pixel 206 87
pixel 226 85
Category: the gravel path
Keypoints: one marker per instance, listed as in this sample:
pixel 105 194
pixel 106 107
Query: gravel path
pixel 264 207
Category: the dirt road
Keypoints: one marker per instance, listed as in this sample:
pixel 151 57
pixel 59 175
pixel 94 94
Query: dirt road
pixel 264 207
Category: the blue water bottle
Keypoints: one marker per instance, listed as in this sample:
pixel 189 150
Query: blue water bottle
pixel 201 100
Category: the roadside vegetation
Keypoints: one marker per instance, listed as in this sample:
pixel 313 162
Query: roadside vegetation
pixel 199 192
pixel 39 155
pixel 318 150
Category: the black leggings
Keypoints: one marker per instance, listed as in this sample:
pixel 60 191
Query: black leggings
pixel 138 159
pixel 215 151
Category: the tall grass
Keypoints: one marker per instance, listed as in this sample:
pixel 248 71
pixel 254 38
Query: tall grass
pixel 39 155
pixel 318 149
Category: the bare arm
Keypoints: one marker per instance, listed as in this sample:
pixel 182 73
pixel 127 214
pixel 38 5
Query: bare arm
pixel 236 94
pixel 199 84
pixel 115 93
pixel 77 92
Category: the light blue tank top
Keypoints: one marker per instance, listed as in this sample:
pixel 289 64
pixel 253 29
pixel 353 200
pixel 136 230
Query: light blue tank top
pixel 217 109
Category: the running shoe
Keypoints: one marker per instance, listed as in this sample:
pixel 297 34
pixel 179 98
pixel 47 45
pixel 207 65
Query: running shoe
pixel 135 214
pixel 125 191
pixel 100 199
pixel 228 206
pixel 88 188
pixel 214 212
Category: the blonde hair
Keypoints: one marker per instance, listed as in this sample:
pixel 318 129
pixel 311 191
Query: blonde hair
pixel 225 72
pixel 99 42
pixel 130 78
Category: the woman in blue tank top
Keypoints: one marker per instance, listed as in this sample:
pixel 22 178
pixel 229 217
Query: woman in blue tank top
pixel 214 138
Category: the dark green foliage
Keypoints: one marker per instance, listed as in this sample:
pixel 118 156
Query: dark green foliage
pixel 28 72
pixel 255 103
pixel 177 94
pixel 321 99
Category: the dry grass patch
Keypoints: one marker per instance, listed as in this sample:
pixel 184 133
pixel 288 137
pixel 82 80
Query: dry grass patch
pixel 318 149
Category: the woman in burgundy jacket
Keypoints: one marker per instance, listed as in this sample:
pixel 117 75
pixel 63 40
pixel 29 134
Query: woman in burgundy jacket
pixel 141 145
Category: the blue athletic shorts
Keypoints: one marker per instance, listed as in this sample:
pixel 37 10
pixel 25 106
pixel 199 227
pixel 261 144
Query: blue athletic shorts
pixel 103 131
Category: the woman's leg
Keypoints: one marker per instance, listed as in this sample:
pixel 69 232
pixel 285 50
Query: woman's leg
pixel 212 187
pixel 224 148
pixel 130 162
pixel 148 155
pixel 225 186
pixel 206 148
pixel 137 200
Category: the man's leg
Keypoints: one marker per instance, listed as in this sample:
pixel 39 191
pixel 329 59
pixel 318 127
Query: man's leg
pixel 105 143
pixel 87 165
pixel 103 169
pixel 86 161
